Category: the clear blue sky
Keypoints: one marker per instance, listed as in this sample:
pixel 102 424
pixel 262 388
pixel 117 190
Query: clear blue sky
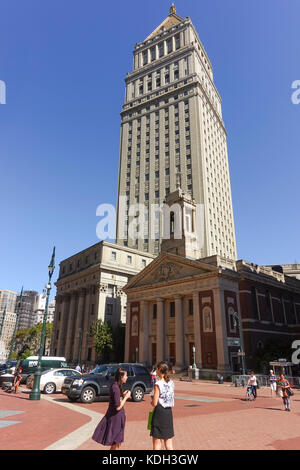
pixel 64 64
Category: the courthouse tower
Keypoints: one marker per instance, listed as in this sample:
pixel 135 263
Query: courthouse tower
pixel 171 125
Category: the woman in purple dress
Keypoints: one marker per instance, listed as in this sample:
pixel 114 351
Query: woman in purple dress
pixel 110 430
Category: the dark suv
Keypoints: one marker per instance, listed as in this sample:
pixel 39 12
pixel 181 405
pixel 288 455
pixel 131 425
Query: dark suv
pixel 98 382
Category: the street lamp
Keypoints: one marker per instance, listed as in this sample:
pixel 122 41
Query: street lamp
pixel 236 322
pixel 12 344
pixel 36 393
pixel 194 357
pixel 136 354
pixel 80 344
pixel 2 322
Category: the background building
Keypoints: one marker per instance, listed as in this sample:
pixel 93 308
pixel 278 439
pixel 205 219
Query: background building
pixel 89 288
pixel 26 319
pixel 172 133
pixel 8 301
pixel 39 309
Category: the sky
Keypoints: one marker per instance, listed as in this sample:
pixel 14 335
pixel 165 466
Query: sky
pixel 64 64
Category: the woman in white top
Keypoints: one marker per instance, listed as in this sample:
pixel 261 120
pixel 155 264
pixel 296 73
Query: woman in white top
pixel 163 402
pixel 253 383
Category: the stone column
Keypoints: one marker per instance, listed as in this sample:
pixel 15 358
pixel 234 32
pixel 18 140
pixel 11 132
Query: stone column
pixel 79 325
pixel 160 331
pixel 179 326
pixel 127 333
pixel 56 324
pixel 86 324
pixel 221 331
pixel 63 326
pixel 197 330
pixel 69 332
pixel 144 332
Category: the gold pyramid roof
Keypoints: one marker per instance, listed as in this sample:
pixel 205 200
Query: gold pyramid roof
pixel 172 20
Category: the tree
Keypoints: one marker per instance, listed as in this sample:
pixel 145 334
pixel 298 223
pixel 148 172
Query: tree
pixel 102 334
pixel 29 339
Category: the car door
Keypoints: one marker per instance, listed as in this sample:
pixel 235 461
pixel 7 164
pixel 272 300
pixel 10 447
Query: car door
pixel 108 380
pixel 59 377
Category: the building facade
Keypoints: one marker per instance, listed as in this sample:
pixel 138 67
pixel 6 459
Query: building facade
pixel 8 302
pixel 26 318
pixel 173 134
pixel 217 305
pixel 89 288
pixel 39 309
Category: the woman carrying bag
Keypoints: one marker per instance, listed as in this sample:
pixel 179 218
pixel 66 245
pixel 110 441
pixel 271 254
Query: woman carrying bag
pixel 163 402
pixel 110 430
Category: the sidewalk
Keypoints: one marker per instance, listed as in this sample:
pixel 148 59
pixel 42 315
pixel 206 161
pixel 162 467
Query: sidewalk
pixel 206 416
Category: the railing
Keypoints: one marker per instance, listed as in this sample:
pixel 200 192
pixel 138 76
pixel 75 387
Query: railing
pixel 262 380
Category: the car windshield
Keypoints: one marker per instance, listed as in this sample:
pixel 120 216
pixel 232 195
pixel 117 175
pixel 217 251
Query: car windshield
pixel 99 370
pixel 45 371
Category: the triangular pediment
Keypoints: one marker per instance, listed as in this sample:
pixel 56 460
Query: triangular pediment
pixel 169 267
pixel 169 22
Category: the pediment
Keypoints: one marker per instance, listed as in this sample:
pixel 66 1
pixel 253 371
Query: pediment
pixel 168 267
pixel 169 22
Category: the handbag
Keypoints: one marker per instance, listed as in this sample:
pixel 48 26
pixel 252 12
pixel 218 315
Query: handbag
pixel 290 392
pixel 150 420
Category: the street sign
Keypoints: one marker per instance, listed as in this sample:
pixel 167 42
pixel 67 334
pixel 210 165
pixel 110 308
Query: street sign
pixel 233 342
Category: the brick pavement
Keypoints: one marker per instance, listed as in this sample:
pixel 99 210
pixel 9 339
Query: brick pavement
pixel 206 416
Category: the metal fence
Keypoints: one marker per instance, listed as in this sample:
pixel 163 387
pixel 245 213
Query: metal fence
pixel 262 380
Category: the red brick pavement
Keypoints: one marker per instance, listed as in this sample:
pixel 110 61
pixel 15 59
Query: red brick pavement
pixel 41 422
pixel 228 423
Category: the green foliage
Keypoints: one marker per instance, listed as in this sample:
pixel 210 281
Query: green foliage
pixel 102 334
pixel 28 340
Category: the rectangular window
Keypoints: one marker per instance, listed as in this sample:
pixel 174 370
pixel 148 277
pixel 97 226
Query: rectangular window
pixel 172 309
pixel 191 307
pixel 129 259
pixel 113 256
pixel 154 311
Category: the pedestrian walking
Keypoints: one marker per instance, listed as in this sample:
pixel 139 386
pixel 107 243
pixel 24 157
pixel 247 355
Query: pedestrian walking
pixel 285 387
pixel 110 430
pixel 163 402
pixel 273 382
pixel 252 382
pixel 153 376
pixel 17 381
pixel 78 368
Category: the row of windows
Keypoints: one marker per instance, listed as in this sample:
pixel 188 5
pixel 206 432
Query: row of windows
pixel 160 50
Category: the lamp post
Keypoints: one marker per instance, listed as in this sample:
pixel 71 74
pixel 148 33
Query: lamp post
pixel 236 321
pixel 2 322
pixel 80 344
pixel 194 357
pixel 12 344
pixel 136 354
pixel 36 393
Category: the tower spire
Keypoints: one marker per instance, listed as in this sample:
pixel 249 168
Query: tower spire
pixel 172 9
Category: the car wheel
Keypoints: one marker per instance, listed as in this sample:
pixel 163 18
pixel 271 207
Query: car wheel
pixel 87 395
pixel 49 388
pixel 137 394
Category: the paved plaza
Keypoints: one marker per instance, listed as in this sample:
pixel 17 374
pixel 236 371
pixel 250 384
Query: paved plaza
pixel 206 416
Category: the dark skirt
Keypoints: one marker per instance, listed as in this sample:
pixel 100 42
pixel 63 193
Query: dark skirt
pixel 162 423
pixel 110 430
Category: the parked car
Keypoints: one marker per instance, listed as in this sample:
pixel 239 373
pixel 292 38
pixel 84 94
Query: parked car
pixel 52 380
pixel 4 365
pixel 28 366
pixel 98 382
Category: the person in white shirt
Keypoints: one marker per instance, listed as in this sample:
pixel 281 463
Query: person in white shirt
pixel 78 368
pixel 163 402
pixel 253 383
pixel 273 382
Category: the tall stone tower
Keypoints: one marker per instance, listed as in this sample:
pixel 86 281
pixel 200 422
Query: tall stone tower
pixel 172 127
